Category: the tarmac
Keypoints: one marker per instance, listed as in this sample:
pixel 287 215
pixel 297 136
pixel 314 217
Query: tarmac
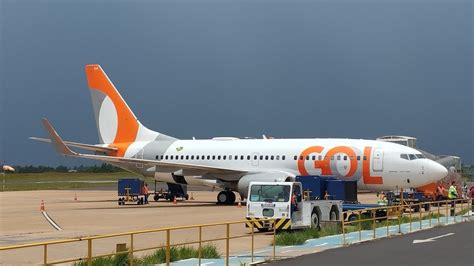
pixel 97 212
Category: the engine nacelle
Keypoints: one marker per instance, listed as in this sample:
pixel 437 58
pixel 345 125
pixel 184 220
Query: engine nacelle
pixel 244 182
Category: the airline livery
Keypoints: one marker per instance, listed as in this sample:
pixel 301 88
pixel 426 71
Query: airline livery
pixel 231 163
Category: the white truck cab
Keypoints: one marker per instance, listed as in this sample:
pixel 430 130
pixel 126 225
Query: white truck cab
pixel 286 204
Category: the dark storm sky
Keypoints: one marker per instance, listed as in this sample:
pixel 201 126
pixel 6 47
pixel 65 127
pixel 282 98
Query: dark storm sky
pixel 355 69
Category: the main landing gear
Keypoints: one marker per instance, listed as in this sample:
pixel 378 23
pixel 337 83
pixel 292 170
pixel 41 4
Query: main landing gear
pixel 226 197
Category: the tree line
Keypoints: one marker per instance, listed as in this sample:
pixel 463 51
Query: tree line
pixel 103 168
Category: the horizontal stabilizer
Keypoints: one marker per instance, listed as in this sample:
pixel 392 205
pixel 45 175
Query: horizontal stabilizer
pixel 84 146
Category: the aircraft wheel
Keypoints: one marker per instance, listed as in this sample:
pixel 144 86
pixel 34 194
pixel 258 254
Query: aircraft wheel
pixel 222 197
pixel 231 198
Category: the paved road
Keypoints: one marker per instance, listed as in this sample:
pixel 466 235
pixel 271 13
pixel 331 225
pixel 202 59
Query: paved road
pixel 455 246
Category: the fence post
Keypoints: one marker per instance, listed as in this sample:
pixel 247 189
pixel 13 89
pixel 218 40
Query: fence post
pixel 343 234
pixel 360 226
pixel 200 245
pixel 410 215
pixel 168 248
pixel 253 240
pixel 89 252
pixel 274 238
pixel 430 212
pixel 447 212
pixel 439 214
pixel 421 218
pixel 227 245
pixel 373 223
pixel 45 254
pixel 131 250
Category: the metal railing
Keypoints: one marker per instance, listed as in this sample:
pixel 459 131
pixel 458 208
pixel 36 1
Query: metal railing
pixel 167 245
pixel 395 215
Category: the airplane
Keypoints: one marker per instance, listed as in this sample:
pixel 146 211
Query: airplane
pixel 231 163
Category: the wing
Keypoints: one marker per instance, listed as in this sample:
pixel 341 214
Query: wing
pixel 62 148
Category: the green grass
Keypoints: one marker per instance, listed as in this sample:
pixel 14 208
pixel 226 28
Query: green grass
pixel 54 180
pixel 159 256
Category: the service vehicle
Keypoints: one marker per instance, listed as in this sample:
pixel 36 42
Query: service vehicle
pixel 285 203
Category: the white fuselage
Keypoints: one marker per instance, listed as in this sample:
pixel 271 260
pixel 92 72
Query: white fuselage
pixel 376 165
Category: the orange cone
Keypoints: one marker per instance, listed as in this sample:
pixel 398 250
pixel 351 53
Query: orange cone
pixel 42 206
pixel 174 200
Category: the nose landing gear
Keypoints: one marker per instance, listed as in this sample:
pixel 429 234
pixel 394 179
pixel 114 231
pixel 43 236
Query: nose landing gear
pixel 226 197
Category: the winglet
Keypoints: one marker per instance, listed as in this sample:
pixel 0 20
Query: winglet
pixel 56 139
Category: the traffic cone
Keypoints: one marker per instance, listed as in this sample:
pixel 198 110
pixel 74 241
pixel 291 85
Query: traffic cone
pixel 42 206
pixel 192 196
pixel 174 200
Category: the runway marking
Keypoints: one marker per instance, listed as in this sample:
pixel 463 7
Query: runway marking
pixel 51 221
pixel 430 239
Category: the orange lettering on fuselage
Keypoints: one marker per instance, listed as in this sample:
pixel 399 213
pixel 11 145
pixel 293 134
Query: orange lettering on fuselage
pixel 371 180
pixel 325 163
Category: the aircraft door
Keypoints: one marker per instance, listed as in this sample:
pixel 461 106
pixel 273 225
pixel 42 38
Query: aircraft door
pixel 255 159
pixel 377 160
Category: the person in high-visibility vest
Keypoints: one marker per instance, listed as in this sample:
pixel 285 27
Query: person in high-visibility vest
pixel 452 195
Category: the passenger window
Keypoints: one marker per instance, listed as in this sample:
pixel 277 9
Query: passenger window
pixel 224 157
pixel 339 157
pixel 236 157
pixel 255 157
pixel 248 157
pixel 166 157
pixel 365 158
pixel 296 157
pixel 218 157
pixel 213 157
pixel 241 157
pixel 277 157
pixel 230 157
pixel 283 157
pixel 261 157
pixel 182 157
pixel 208 157
pixel 320 157
pixel 266 157
pixel 272 157
pixel 307 157
pixel 404 156
pixel 345 158
pixel 171 157
pixel 192 157
pixel 156 157
pixel 358 158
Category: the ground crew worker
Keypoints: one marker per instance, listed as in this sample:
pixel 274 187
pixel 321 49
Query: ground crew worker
pixel 293 202
pixel 452 195
pixel 145 193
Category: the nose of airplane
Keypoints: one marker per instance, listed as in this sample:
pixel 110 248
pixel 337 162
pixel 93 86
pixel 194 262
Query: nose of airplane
pixel 437 171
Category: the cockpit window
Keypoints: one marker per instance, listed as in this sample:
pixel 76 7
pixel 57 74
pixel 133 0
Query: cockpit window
pixel 412 156
pixel 420 156
pixel 404 156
